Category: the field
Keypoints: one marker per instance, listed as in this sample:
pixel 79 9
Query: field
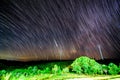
pixel 67 76
pixel 82 68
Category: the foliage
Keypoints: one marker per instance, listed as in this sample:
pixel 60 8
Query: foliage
pixel 86 65
pixel 105 69
pixel 65 70
pixel 77 69
pixel 56 69
pixel 82 65
pixel 113 69
pixel 3 72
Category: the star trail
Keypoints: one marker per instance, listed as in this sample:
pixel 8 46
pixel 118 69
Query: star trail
pixel 59 29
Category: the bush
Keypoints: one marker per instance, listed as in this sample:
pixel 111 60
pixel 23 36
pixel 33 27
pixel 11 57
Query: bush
pixel 119 68
pixel 3 72
pixel 105 69
pixel 113 69
pixel 86 65
pixel 65 70
pixel 46 70
pixel 77 69
pixel 56 69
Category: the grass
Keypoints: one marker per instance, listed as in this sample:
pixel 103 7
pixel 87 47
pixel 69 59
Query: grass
pixel 49 70
pixel 65 76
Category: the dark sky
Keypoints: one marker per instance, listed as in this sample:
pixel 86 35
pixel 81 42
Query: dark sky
pixel 85 24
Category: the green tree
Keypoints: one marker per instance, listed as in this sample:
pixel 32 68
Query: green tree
pixel 113 69
pixel 86 65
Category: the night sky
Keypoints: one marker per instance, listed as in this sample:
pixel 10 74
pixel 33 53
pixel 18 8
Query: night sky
pixel 59 29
